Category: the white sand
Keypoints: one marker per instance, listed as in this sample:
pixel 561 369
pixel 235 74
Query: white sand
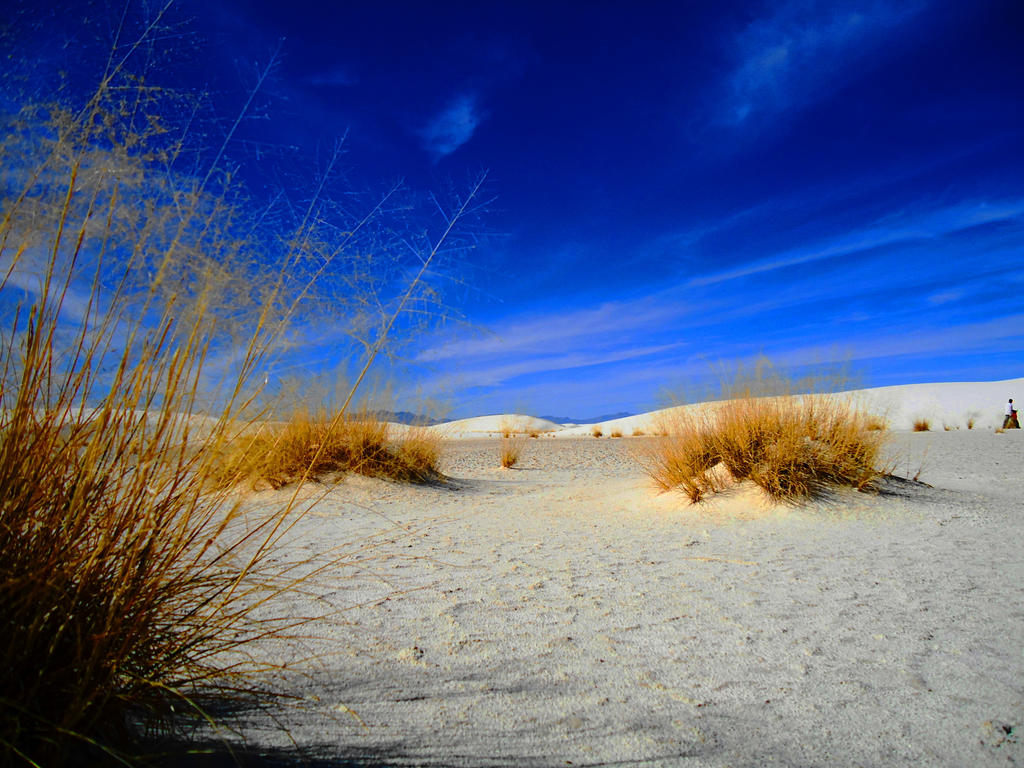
pixel 563 614
pixel 944 405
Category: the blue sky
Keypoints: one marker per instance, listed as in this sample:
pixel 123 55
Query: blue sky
pixel 676 186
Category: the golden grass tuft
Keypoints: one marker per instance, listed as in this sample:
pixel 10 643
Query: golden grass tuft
pixel 876 424
pixel 792 447
pixel 309 448
pixel 615 433
pixel 511 451
pixel 597 432
pixel 638 433
pixel 922 424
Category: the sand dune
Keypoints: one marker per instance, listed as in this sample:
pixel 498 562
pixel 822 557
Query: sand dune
pixel 950 404
pixel 494 425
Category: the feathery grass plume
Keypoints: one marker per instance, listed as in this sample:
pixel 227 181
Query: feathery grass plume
pixel 792 446
pixel 922 424
pixel 140 306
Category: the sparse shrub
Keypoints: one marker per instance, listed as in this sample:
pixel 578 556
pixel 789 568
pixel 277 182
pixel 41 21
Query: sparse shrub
pixel 876 424
pixel 597 432
pixel 534 433
pixel 638 433
pixel 306 448
pixel 792 447
pixel 922 424
pixel 972 419
pixel 511 450
pixel 418 455
pixel 615 433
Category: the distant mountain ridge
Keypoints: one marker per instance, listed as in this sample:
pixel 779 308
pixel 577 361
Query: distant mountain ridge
pixel 594 420
pixel 406 417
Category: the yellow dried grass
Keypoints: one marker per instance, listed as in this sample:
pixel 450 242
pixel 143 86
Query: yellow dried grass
pixel 791 446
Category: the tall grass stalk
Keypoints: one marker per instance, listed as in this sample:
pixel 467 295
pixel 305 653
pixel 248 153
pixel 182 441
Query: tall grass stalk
pixel 137 320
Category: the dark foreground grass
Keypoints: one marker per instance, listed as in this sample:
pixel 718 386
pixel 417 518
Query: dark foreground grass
pixel 137 307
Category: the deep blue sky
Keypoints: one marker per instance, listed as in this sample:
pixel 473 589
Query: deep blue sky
pixel 677 184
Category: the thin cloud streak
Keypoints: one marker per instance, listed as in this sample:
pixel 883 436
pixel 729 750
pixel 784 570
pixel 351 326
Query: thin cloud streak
pixel 492 376
pixel 932 225
pixel 607 323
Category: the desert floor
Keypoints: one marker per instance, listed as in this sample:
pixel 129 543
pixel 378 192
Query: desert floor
pixel 561 613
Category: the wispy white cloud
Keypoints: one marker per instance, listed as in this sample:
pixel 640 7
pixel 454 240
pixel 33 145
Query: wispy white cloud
pixel 899 227
pixel 453 126
pixel 786 57
pixel 989 335
pixel 491 375
pixel 604 325
pixel 905 284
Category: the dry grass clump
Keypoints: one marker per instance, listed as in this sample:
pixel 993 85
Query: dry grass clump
pixel 597 432
pixel 638 433
pixel 418 453
pixel 135 298
pixel 615 433
pixel 534 433
pixel 511 450
pixel 876 424
pixel 792 447
pixel 308 448
pixel 922 424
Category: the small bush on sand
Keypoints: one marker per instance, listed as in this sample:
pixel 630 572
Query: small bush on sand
pixel 876 424
pixel 922 424
pixel 418 455
pixel 638 433
pixel 511 450
pixel 615 433
pixel 597 432
pixel 534 433
pixel 308 448
pixel 792 447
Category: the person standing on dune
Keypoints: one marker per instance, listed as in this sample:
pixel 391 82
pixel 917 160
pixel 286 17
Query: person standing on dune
pixel 1010 421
